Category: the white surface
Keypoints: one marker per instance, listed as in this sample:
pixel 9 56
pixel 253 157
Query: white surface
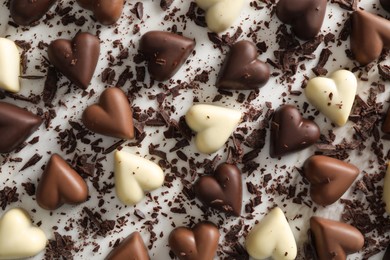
pixel 206 58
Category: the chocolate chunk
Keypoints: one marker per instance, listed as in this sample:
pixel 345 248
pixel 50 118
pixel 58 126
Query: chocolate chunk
pixel 16 125
pixel 242 70
pixel 330 178
pixel 333 239
pixel 370 34
pixel 165 52
pixel 106 12
pixel 59 185
pixel 304 16
pixel 26 12
pixel 76 59
pixel 112 116
pixel 201 242
pixel 222 191
pixel 290 132
pixel 132 247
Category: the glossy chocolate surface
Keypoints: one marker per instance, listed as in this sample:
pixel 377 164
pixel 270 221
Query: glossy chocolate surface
pixel 242 70
pixel 330 178
pixel 290 132
pixel 223 190
pixel 165 53
pixel 16 125
pixel 201 242
pixel 304 16
pixel 111 116
pixel 132 247
pixel 334 240
pixel 76 59
pixel 370 35
pixel 26 12
pixel 60 184
pixel 107 12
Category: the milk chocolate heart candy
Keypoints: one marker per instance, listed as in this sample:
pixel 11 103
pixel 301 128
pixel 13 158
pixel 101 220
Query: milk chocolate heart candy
pixel 16 125
pixel 222 191
pixel 132 247
pixel 76 59
pixel 107 12
pixel 370 34
pixel 26 12
pixel 333 239
pixel 242 70
pixel 165 53
pixel 272 237
pixel 221 14
pixel 134 176
pixel 59 185
pixel 199 243
pixel 304 16
pixel 329 178
pixel 290 132
pixel 213 125
pixel 112 116
pixel 18 237
pixel 386 189
pixel 9 66
pixel 333 96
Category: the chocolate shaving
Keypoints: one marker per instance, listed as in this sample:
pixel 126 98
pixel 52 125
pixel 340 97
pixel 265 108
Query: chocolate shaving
pixel 32 161
pixel 50 87
pixel 8 195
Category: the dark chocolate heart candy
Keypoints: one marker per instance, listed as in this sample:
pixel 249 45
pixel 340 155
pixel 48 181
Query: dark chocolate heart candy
pixel 59 185
pixel 132 247
pixel 26 12
pixel 370 34
pixel 387 254
pixel 165 53
pixel 242 70
pixel 386 123
pixel 386 5
pixel 199 243
pixel 290 132
pixel 329 178
pixel 76 59
pixel 16 125
pixel 222 191
pixel 112 116
pixel 333 239
pixel 106 12
pixel 304 16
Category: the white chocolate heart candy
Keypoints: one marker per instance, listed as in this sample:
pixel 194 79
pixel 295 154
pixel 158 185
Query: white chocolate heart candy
pixel 18 237
pixel 213 125
pixel 9 65
pixel 221 14
pixel 386 189
pixel 333 96
pixel 134 176
pixel 272 237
